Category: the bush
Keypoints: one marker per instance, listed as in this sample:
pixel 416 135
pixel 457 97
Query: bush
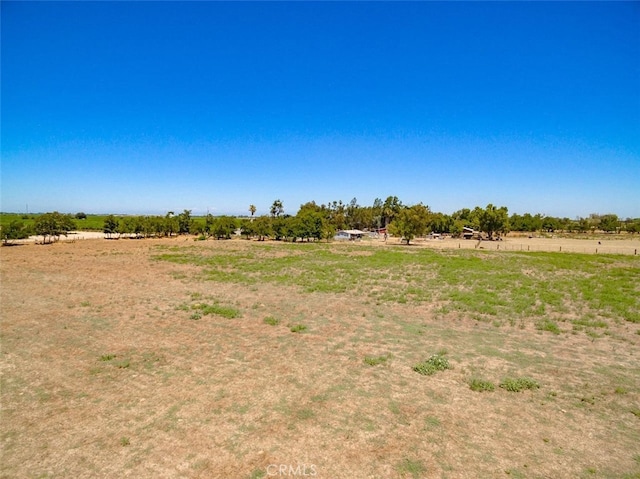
pixel 435 363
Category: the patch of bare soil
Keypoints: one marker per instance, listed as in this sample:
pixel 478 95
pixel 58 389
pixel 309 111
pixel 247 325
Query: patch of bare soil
pixel 109 369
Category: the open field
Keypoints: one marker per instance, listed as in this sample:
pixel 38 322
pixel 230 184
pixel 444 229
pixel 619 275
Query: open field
pixel 241 359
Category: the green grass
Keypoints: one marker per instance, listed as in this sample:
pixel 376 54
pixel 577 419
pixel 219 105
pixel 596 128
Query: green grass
pixel 413 468
pixel 481 385
pixel 271 321
pixel 376 360
pixel 215 309
pixel 519 384
pixel 298 328
pixel 499 287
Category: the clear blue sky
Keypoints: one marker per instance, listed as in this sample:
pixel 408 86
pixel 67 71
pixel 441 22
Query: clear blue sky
pixel 146 107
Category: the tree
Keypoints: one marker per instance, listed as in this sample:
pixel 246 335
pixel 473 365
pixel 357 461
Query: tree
pixel 246 225
pixel 609 223
pixel 262 227
pixel 308 224
pixel 15 230
pixel 277 209
pixel 494 220
pixel 52 225
pixel 111 225
pixel 392 205
pixel 252 210
pixel 81 216
pixel 410 222
pixel 185 223
pixel 224 227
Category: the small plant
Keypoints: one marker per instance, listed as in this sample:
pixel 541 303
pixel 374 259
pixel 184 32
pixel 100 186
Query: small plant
pixel 271 321
pixel 298 328
pixel 414 468
pixel 519 384
pixel 197 315
pixel 435 363
pixel 480 385
pixel 548 325
pixel 620 390
pixel 636 412
pixel 124 441
pixel 107 357
pixel 124 364
pixel 376 360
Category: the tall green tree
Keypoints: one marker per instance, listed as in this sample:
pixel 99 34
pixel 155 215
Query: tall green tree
pixel 111 225
pixel 262 227
pixel 494 220
pixel 277 209
pixel 410 222
pixel 224 227
pixel 185 223
pixel 53 225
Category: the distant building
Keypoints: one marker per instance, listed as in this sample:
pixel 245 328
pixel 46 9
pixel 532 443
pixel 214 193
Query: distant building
pixel 350 235
pixel 470 233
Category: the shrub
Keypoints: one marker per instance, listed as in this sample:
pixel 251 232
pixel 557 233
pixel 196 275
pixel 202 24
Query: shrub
pixel 519 384
pixel 435 363
pixel 298 328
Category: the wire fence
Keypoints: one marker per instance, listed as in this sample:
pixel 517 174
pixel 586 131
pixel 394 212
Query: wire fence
pixel 564 247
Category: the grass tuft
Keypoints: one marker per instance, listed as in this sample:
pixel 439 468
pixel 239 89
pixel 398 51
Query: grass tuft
pixel 376 360
pixel 298 328
pixel 481 385
pixel 271 321
pixel 519 384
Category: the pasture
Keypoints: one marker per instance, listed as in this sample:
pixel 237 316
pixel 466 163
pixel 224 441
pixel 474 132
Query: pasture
pixel 244 359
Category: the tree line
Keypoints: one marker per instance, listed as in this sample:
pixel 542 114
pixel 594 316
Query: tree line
pixel 316 222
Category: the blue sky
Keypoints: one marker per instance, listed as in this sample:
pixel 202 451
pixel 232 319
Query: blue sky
pixel 146 107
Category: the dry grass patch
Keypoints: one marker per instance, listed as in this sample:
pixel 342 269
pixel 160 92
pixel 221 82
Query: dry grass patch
pixel 231 397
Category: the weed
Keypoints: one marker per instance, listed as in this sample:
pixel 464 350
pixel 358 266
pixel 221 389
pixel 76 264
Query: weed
pixel 124 441
pixel 480 385
pixel 620 390
pixel 85 304
pixel 298 328
pixel 519 384
pixel 435 363
pixel 376 360
pixel 257 474
pixel 271 321
pixel 636 412
pixel 107 357
pixel 197 315
pixel 413 467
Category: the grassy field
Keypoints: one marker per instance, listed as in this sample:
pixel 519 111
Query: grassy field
pixel 174 358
